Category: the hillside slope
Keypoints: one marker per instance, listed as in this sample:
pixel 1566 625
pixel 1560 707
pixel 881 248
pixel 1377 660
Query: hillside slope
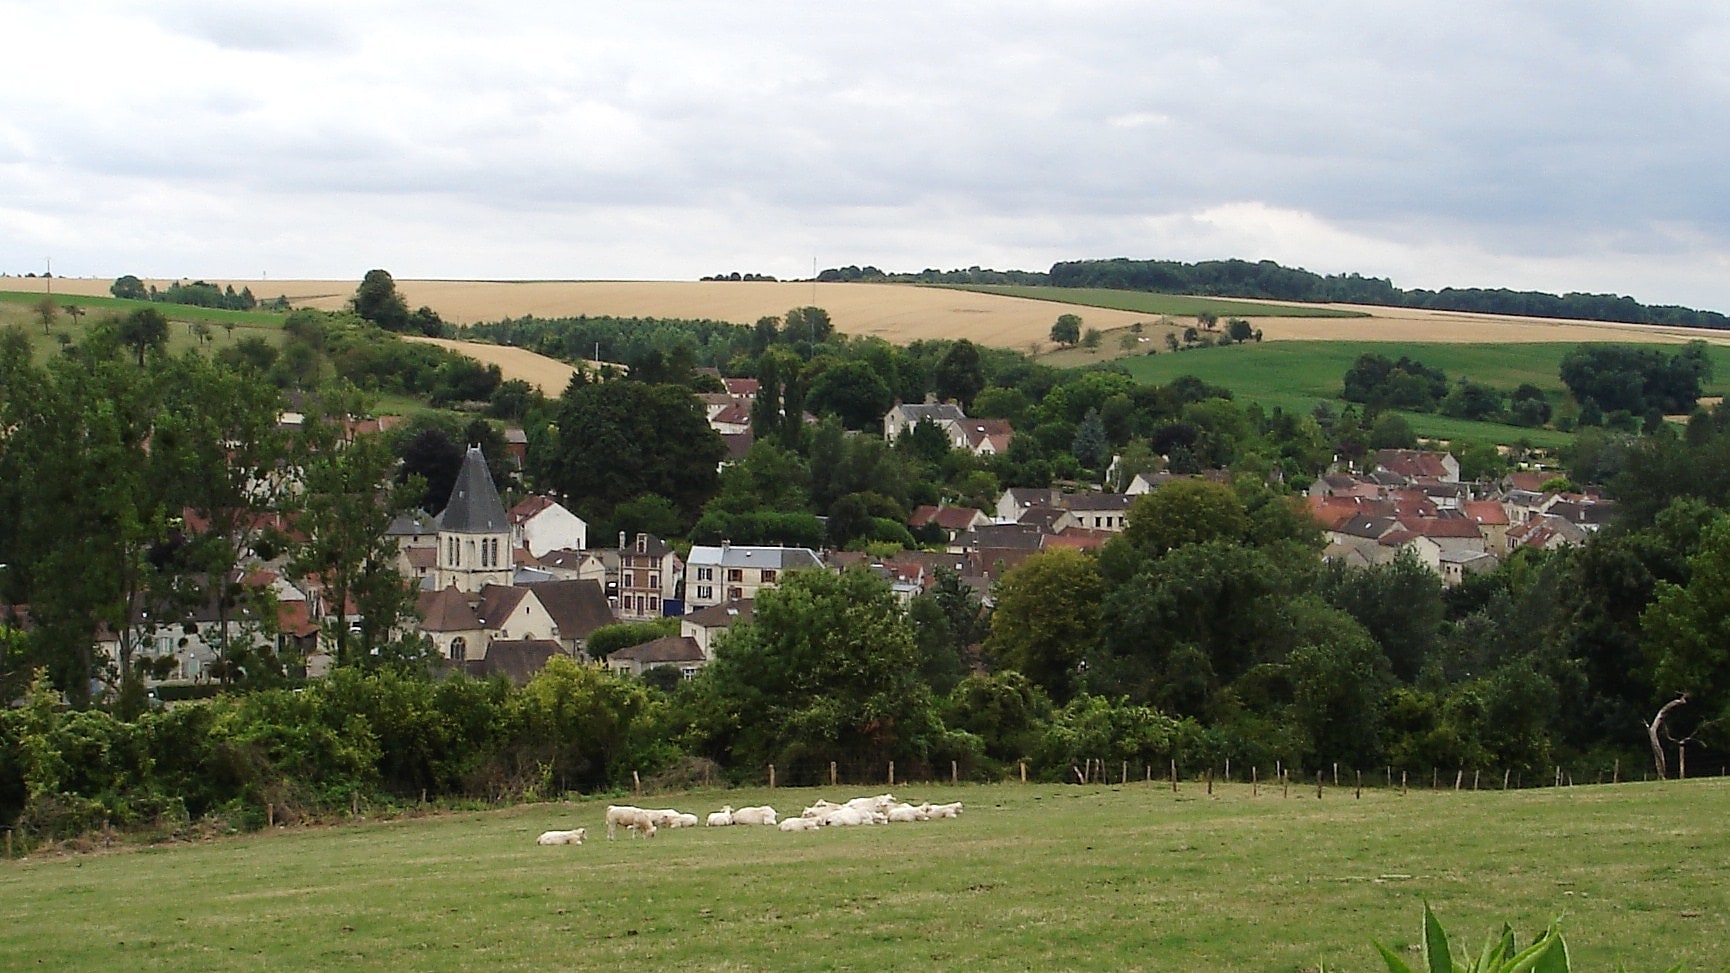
pixel 898 313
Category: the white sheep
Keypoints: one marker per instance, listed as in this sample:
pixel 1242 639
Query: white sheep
pixel 798 824
pixel 844 817
pixel 763 814
pixel 682 820
pixel 573 837
pixel 639 821
pixel 721 818
pixel 905 812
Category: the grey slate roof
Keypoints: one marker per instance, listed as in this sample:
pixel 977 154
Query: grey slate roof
pixel 475 507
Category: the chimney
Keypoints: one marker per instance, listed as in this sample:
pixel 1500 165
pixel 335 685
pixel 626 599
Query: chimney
pixel 621 540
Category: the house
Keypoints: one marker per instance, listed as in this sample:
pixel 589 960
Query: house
pixel 517 660
pixel 714 575
pixel 541 524
pixel 1098 511
pixel 576 608
pixel 949 520
pixel 1415 465
pixel 706 625
pixel 1457 565
pixel 945 415
pixel 1017 499
pixel 985 437
pixel 671 650
pixel 571 565
pixel 649 572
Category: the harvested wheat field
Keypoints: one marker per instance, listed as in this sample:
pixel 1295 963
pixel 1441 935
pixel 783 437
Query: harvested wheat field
pixel 547 374
pixel 903 312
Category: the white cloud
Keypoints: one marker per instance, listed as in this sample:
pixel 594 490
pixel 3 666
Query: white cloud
pixel 1565 148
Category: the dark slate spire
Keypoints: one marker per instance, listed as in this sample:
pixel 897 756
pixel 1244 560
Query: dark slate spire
pixel 474 506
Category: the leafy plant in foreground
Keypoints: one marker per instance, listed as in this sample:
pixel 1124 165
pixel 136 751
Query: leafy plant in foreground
pixel 1547 954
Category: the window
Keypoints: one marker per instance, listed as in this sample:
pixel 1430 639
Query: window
pixel 735 574
pixel 768 576
pixel 705 574
pixel 630 580
pixel 654 604
pixel 687 672
pixel 705 592
pixel 655 581
pixel 459 649
pixel 734 594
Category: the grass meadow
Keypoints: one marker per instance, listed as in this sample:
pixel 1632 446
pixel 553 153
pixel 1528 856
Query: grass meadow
pixel 1031 877
pixel 1143 302
pixel 19 307
pixel 1295 375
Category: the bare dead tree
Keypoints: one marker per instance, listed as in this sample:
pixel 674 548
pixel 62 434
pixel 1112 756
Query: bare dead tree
pixel 1655 727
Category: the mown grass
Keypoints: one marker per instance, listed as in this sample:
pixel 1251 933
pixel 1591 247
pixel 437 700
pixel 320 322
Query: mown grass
pixel 1029 878
pixel 1177 305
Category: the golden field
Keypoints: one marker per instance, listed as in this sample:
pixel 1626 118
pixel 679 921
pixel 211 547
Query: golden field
pixel 898 313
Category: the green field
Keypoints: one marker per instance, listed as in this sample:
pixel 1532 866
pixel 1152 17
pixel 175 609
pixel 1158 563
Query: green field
pixel 1295 375
pixel 1176 305
pixel 1031 877
pixel 17 307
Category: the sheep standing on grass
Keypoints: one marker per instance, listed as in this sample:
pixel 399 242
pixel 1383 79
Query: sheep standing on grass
pixel 640 822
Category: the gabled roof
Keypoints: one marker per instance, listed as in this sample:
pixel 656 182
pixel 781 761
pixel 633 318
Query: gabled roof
pixel 1370 527
pixel 446 610
pixel 948 518
pixel 475 507
pixel 662 651
pixel 939 412
pixel 1018 537
pixel 563 559
pixel 576 607
pixel 1490 513
pixel 978 431
pixel 415 523
pixel 1110 502
pixel 516 659
pixel 722 615
pixel 1413 463
pixel 740 386
pixel 530 506
pixel 1436 527
pixel 498 601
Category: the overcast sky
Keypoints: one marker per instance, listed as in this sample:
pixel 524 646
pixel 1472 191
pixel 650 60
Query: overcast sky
pixel 1554 146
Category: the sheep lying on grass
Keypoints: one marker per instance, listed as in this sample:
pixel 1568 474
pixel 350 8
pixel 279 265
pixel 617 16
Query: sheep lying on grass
pixel 572 837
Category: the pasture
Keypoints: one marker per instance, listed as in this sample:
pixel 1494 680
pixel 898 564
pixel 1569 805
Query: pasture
pixel 1040 877
pixel 1175 305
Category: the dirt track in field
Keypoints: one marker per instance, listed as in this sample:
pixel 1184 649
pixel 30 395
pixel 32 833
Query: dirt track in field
pixel 899 313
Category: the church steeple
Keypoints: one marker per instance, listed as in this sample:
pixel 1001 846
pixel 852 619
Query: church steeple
pixel 474 531
pixel 475 507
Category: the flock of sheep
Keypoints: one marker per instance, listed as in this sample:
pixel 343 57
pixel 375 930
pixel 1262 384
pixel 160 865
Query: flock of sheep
pixel 644 822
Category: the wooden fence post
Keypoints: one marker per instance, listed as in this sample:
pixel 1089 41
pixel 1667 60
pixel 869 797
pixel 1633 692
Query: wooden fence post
pixel 636 783
pixel 1254 782
pixel 1210 780
pixel 1505 774
pixel 1284 783
pixel 1125 779
pixel 1228 768
pixel 1174 775
pixel 891 773
pixel 1616 773
pixel 269 818
pixel 954 772
pixel 1402 783
pixel 832 777
pixel 1024 771
pixel 1319 777
pixel 771 776
pixel 1360 794
pixel 1459 778
pixel 1336 773
pixel 1475 774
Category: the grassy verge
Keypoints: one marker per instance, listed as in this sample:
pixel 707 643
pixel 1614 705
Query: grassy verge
pixel 1030 877
pixel 1176 305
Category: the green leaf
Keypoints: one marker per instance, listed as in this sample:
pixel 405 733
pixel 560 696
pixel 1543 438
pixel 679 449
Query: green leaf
pixel 1395 964
pixel 1528 960
pixel 1436 951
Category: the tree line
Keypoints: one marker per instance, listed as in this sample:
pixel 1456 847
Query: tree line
pixel 1272 281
